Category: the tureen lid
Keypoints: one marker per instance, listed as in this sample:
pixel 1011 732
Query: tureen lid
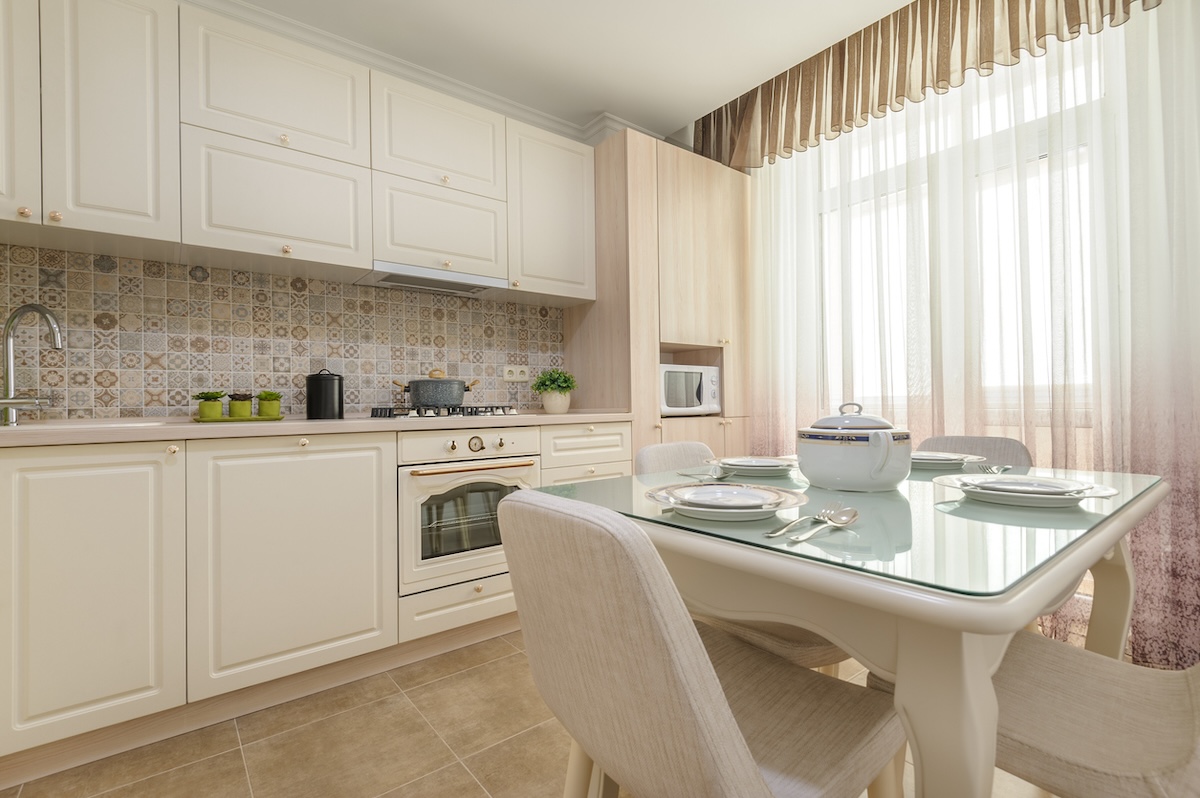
pixel 852 417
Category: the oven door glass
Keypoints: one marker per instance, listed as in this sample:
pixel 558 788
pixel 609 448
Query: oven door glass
pixel 461 519
pixel 682 388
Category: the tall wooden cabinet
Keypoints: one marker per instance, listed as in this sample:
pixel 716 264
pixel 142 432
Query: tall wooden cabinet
pixel 20 108
pixel 92 545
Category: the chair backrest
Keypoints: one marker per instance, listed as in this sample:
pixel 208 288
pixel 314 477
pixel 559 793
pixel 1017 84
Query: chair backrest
pixel 660 457
pixel 997 450
pixel 615 654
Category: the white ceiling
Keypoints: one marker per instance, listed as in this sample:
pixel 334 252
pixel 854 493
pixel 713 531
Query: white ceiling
pixel 654 64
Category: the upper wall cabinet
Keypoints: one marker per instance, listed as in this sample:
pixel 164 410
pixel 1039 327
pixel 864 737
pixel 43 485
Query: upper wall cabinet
pixel 110 116
pixel 20 113
pixel 551 213
pixel 419 133
pixel 246 81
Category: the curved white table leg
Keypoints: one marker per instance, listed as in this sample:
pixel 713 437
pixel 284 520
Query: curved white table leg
pixel 1112 603
pixel 946 701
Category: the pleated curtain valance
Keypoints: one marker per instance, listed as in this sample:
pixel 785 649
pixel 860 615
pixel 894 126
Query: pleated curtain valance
pixel 929 44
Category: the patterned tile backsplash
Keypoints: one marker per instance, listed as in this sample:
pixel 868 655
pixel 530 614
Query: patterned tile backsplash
pixel 142 336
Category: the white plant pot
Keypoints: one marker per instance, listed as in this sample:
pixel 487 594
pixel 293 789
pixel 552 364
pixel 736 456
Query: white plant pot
pixel 555 402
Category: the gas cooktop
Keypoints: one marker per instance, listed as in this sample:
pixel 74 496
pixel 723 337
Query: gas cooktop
pixel 462 411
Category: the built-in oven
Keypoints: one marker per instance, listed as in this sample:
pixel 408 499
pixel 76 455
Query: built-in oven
pixel 450 483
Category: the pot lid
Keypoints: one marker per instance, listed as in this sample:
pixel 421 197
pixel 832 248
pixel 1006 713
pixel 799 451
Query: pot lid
pixel 852 417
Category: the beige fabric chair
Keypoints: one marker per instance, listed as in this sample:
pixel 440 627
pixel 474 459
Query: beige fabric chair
pixel 1141 739
pixel 796 645
pixel 620 663
pixel 1113 577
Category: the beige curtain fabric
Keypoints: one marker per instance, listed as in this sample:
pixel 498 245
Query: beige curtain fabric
pixel 928 44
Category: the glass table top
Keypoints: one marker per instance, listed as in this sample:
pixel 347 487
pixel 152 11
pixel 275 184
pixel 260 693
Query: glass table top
pixel 923 532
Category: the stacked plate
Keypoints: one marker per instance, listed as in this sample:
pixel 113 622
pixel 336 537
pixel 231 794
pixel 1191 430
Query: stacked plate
pixel 755 466
pixel 725 501
pixel 945 461
pixel 1024 490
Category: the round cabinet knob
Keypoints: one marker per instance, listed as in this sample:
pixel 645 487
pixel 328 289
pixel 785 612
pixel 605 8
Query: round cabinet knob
pixel 287 249
pixel 23 211
pixel 591 471
pixel 304 441
pixel 516 283
pixel 446 179
pixel 591 428
pixel 55 216
pixel 172 450
pixel 658 426
pixel 446 264
pixel 478 588
pixel 284 138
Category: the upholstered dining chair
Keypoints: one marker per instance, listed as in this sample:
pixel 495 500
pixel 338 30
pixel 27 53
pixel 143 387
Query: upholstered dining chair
pixel 795 644
pixel 663 706
pixel 1113 578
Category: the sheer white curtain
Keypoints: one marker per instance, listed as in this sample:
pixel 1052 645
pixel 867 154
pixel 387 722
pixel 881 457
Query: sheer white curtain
pixel 1017 257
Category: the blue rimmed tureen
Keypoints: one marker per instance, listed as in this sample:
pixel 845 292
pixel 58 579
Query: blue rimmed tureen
pixel 854 451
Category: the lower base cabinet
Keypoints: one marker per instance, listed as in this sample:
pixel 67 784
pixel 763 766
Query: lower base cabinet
pixel 447 608
pixel 92 547
pixel 727 437
pixel 291 555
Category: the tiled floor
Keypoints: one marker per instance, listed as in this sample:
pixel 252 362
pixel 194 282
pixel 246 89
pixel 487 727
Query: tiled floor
pixel 467 724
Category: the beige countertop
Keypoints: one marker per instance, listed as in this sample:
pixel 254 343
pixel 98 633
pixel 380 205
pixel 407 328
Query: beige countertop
pixel 182 428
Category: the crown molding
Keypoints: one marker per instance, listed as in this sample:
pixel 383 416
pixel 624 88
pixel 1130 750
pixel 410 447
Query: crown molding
pixel 592 133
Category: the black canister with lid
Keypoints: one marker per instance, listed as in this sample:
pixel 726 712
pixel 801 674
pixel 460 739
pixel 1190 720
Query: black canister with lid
pixel 324 391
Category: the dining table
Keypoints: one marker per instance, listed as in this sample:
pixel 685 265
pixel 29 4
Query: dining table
pixel 926 588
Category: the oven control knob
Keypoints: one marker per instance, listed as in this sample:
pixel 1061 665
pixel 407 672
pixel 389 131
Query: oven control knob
pixel 476 443
pixel 499 443
pixel 452 446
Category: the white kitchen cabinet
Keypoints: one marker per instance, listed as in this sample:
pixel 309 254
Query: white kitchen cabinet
pixel 433 611
pixel 92 557
pixel 583 452
pixel 727 437
pixel 551 213
pixel 241 79
pixel 20 110
pixel 110 116
pixel 425 135
pixel 251 197
pixel 291 558
pixel 434 227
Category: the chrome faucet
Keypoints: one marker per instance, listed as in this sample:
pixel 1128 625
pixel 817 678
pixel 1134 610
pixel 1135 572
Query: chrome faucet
pixel 9 402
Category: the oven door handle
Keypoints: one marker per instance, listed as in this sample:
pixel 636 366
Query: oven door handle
pixel 466 469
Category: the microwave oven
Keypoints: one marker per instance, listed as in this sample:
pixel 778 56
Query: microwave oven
pixel 689 390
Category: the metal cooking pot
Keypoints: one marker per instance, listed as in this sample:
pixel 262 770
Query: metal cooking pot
pixel 437 391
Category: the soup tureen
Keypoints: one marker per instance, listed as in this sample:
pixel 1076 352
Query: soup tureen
pixel 853 451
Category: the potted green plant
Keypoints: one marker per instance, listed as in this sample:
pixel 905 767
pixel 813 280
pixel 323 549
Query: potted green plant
pixel 210 403
pixel 555 386
pixel 241 405
pixel 268 403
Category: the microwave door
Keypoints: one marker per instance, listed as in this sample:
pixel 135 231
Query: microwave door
pixel 683 388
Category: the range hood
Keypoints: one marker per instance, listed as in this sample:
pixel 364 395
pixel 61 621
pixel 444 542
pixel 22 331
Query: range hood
pixel 402 275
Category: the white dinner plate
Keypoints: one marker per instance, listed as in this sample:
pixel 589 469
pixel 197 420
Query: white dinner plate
pixel 755 466
pixel 788 499
pixel 1023 483
pixel 1048 500
pixel 943 460
pixel 726 496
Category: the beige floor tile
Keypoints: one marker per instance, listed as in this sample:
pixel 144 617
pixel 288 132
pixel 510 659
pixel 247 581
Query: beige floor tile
pixel 453 781
pixel 517 638
pixel 360 753
pixel 140 763
pixel 283 717
pixel 533 764
pixel 482 706
pixel 222 776
pixel 11 792
pixel 443 665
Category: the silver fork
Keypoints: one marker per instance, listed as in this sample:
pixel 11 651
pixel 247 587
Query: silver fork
pixel 821 515
pixel 993 469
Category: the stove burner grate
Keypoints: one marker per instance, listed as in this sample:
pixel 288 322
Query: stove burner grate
pixel 462 411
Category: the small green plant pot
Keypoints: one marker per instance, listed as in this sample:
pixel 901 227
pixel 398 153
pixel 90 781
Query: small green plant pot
pixel 241 408
pixel 268 408
pixel 210 408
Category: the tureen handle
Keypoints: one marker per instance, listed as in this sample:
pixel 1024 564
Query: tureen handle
pixel 881 438
pixel 857 408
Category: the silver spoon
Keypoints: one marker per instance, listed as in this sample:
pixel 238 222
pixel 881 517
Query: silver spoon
pixel 843 517
pixel 821 515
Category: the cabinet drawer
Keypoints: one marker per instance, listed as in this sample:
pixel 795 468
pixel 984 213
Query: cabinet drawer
pixel 586 473
pixel 242 80
pixel 457 605
pixel 585 444
pixel 251 197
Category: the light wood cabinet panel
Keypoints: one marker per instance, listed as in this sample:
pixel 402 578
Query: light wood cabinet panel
pixel 586 473
pixel 240 79
pixel 438 228
pixel 291 555
pixel 20 113
pixel 251 197
pixel 585 444
pixel 92 545
pixel 110 116
pixel 737 437
pixel 727 437
pixel 419 133
pixel 551 213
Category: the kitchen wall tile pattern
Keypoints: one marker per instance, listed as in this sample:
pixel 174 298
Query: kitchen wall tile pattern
pixel 142 336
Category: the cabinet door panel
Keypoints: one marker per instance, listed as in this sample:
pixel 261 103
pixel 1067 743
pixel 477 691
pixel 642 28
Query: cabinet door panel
pixel 243 80
pixel 92 554
pixel 706 429
pixel 20 113
pixel 252 197
pixel 585 473
pixel 427 136
pixel 585 444
pixel 110 116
